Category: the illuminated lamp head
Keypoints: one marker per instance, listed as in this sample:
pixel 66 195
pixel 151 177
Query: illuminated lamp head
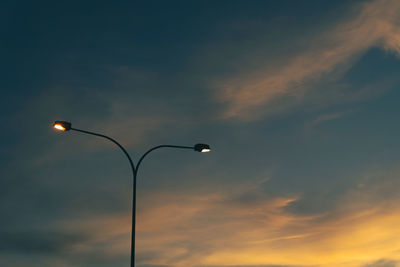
pixel 202 148
pixel 62 125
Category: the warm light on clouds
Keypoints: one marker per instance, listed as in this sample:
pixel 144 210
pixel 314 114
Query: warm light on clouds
pixel 222 230
pixel 299 101
pixel 372 24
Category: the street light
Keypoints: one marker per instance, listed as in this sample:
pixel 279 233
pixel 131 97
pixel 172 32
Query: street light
pixel 66 126
pixel 202 148
pixel 62 125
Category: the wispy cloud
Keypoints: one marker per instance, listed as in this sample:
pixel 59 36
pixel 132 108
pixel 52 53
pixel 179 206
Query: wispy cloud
pixel 382 263
pixel 248 227
pixel 325 117
pixel 371 24
pixel 122 114
pixel 217 230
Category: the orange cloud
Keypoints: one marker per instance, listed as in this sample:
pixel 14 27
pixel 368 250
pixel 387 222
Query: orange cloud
pixel 216 231
pixel 249 228
pixel 376 23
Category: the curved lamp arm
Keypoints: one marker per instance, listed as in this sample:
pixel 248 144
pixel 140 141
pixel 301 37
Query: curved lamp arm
pixel 157 147
pixel 112 140
pixel 66 126
pixel 135 170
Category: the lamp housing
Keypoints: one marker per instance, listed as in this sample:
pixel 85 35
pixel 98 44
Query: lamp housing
pixel 202 148
pixel 62 125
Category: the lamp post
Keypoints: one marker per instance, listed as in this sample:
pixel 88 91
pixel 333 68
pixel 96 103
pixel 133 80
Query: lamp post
pixel 67 126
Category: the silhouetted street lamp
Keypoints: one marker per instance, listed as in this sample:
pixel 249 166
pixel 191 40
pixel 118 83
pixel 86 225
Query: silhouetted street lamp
pixel 66 126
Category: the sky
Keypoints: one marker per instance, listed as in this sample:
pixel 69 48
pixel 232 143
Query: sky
pixel 297 99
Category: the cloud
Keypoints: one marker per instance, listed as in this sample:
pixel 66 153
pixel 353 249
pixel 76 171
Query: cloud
pixel 231 229
pixel 112 114
pixel 327 117
pixel 381 263
pixel 50 242
pixel 242 226
pixel 253 266
pixel 67 243
pixel 372 24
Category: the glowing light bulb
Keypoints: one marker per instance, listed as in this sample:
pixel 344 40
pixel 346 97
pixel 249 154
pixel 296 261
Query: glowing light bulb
pixel 59 127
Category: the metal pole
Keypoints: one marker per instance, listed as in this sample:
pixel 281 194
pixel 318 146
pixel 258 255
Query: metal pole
pixel 133 231
pixel 133 189
pixel 134 174
pixel 134 196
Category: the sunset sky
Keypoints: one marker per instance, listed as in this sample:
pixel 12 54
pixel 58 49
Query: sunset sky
pixel 299 100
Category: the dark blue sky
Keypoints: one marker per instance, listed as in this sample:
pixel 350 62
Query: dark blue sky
pixel 298 100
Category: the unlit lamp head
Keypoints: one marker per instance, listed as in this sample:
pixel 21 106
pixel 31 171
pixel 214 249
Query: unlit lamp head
pixel 62 125
pixel 202 148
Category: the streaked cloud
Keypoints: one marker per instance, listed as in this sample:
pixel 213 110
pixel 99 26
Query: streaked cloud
pixel 327 117
pixel 216 230
pixel 381 263
pixel 268 195
pixel 247 227
pixel 328 56
pixel 324 118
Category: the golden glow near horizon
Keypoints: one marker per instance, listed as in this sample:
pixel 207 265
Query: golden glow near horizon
pixel 204 150
pixel 59 127
pixel 361 230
